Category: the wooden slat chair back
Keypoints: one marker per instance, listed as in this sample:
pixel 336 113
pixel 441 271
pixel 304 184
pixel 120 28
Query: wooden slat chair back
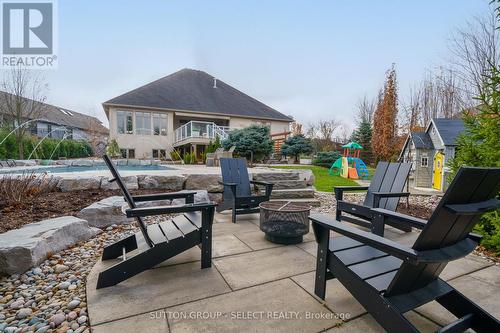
pixel 234 170
pixel 237 188
pixel 388 177
pixel 127 196
pixel 447 227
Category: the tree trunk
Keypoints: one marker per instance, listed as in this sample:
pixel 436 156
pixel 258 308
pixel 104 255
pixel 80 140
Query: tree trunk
pixel 20 146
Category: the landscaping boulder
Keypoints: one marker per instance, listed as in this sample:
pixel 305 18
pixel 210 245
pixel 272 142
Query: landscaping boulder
pixel 306 175
pixel 270 176
pixel 23 248
pixel 205 182
pixel 79 183
pixel 63 162
pixel 200 196
pixel 83 163
pixel 215 197
pixel 170 183
pixel 130 182
pixel 104 213
pixel 25 162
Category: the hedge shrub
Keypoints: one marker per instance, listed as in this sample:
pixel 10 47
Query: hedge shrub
pixel 326 158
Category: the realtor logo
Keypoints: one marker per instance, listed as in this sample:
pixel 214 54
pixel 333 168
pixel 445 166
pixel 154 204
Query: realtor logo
pixel 28 34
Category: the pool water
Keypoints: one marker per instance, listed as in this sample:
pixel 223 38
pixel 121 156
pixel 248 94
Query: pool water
pixel 63 169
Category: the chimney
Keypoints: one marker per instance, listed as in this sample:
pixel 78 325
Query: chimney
pixel 215 83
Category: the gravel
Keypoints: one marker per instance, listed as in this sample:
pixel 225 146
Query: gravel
pixel 51 297
pixel 419 205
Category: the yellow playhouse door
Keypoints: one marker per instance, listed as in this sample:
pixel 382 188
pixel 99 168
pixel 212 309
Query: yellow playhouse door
pixel 437 178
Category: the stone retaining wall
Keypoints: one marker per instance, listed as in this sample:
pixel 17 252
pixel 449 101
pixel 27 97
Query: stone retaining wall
pixel 208 182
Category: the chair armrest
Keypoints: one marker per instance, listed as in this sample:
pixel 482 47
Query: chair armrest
pixel 399 218
pixel 449 253
pixel 380 243
pixel 474 208
pixel 339 190
pixel 354 208
pixel 379 195
pixel 159 210
pixel 227 184
pixel 163 196
pixel 232 186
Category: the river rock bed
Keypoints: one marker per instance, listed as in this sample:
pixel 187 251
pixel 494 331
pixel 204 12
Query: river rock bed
pixel 51 297
pixel 418 205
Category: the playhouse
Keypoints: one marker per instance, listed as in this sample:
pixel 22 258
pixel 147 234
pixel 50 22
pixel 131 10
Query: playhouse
pixel 350 165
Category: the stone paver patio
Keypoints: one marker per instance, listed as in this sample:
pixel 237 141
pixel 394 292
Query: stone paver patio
pixel 257 286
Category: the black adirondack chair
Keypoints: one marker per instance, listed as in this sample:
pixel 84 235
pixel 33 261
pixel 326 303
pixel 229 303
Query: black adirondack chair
pixel 237 191
pixel 386 187
pixel 163 240
pixel 389 279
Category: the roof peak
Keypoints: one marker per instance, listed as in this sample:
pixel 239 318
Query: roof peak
pixel 193 90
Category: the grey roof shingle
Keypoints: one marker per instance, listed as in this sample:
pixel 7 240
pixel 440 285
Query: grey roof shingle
pixel 192 90
pixel 422 140
pixel 449 129
pixel 61 116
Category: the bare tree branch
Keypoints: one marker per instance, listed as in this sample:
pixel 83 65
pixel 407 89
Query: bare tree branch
pixel 23 98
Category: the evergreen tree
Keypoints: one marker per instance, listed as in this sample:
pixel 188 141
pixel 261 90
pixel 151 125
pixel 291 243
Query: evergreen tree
pixel 296 145
pixel 363 136
pixel 479 146
pixel 252 140
pixel 113 149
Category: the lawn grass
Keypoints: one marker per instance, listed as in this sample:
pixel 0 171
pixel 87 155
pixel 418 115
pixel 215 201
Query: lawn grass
pixel 323 181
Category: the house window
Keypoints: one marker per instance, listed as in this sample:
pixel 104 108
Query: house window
pixel 159 124
pixel 128 153
pixel 124 122
pixel 159 153
pixel 143 123
pixel 424 161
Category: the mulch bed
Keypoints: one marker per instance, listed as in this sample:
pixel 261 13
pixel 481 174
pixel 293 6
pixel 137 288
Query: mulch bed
pixel 51 205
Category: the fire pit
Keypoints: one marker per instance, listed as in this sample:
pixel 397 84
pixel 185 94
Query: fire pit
pixel 284 222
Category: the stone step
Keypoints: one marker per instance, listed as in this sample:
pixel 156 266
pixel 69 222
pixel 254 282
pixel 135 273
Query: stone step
pixel 289 184
pixel 310 201
pixel 275 176
pixel 293 193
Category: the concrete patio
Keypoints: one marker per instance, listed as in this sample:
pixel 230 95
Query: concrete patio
pixel 257 286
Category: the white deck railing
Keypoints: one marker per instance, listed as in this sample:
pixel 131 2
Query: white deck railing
pixel 201 129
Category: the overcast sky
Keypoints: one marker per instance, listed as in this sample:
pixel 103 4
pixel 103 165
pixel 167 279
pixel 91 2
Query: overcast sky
pixel 308 59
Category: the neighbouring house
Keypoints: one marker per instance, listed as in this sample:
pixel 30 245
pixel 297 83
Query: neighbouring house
pixel 184 111
pixel 56 122
pixel 430 151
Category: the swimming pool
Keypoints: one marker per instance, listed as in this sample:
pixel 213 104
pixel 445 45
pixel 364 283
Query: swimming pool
pixel 64 169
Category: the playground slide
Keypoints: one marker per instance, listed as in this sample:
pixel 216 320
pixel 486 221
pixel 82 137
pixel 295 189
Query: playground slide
pixel 353 173
pixel 336 167
pixel 360 168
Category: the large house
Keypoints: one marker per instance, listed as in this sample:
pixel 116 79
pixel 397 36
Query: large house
pixel 45 120
pixel 185 111
pixel 430 151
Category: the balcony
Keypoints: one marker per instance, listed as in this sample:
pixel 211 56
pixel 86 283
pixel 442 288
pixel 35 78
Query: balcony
pixel 200 131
